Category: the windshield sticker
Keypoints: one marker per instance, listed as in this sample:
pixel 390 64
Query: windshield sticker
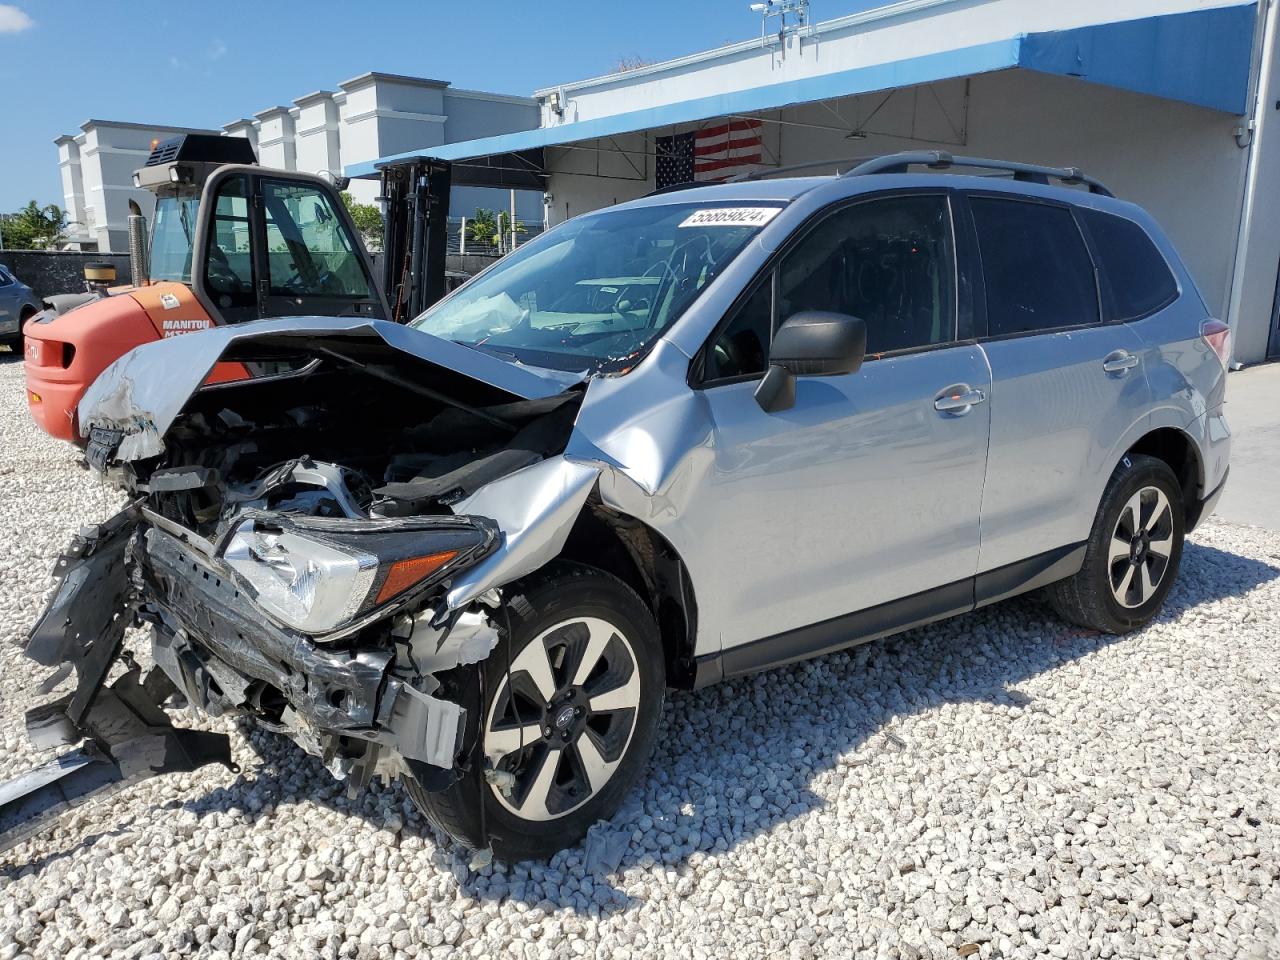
pixel 731 217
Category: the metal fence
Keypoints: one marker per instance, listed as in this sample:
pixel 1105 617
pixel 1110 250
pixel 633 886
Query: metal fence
pixel 462 241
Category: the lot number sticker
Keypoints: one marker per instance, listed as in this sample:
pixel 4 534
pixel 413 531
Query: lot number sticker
pixel 731 217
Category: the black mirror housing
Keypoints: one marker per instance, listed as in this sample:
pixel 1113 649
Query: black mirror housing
pixel 817 343
pixel 811 343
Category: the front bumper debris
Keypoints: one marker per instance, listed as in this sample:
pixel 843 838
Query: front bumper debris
pixel 126 736
pixel 128 739
pixel 217 648
pixel 354 704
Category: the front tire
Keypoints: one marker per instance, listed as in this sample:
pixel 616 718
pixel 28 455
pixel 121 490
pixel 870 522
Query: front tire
pixel 566 733
pixel 1133 552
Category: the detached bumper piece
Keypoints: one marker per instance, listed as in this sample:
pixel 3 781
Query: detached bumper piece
pixel 126 736
pixel 128 739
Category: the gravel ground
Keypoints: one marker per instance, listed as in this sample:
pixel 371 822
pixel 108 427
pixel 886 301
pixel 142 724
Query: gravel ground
pixel 998 785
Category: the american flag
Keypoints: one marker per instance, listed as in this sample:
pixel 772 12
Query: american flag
pixel 710 154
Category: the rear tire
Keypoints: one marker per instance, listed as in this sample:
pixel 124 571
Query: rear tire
pixel 570 729
pixel 1133 552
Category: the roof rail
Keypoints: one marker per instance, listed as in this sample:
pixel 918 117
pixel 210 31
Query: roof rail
pixel 941 160
pixel 792 167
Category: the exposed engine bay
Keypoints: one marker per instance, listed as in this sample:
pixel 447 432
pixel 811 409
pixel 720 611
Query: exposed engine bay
pixel 291 543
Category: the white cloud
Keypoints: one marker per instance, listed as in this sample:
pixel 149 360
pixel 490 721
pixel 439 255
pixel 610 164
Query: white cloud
pixel 13 20
pixel 217 50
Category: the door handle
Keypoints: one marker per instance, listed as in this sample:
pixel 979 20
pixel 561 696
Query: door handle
pixel 1119 362
pixel 958 399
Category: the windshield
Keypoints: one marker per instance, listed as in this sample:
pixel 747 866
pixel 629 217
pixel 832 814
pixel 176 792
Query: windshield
pixel 595 292
pixel 171 238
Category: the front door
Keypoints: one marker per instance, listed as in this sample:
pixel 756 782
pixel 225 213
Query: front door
pixel 868 490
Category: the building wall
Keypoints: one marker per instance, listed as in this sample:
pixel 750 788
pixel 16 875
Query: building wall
pixel 1254 297
pixel 101 161
pixel 1117 136
pixel 369 116
pixel 896 32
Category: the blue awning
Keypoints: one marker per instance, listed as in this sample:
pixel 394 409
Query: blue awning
pixel 1201 57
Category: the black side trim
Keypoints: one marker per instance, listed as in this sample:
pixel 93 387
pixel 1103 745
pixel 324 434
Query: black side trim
pixel 847 631
pixel 1030 574
pixel 895 616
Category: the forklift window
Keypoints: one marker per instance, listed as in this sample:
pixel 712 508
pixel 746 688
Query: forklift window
pixel 309 251
pixel 172 237
pixel 229 265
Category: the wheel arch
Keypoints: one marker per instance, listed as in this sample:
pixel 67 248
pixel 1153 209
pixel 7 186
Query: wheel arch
pixel 645 560
pixel 1178 449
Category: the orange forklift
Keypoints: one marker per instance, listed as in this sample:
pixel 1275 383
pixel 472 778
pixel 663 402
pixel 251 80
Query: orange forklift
pixel 234 242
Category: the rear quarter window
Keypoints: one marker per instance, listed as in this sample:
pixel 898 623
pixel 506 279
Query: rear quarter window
pixel 1136 280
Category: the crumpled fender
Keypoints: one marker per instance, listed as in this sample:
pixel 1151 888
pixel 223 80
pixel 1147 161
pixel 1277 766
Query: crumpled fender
pixel 535 508
pixel 645 452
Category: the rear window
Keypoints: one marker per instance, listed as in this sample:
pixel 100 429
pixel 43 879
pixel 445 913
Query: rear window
pixel 1036 267
pixel 1136 280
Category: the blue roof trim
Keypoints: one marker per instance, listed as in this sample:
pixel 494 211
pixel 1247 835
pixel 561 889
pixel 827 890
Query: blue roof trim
pixel 1202 57
pixel 983 58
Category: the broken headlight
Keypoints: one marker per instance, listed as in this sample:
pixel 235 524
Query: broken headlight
pixel 318 575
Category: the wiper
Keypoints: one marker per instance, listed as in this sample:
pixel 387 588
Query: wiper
pixel 488 349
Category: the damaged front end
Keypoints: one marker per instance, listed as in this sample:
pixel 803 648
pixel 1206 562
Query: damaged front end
pixel 295 545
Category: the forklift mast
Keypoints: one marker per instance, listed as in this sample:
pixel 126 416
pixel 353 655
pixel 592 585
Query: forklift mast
pixel 415 234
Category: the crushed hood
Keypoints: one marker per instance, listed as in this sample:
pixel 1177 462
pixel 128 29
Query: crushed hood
pixel 143 392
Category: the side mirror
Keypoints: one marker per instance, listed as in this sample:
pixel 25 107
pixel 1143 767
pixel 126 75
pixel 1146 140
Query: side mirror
pixel 812 343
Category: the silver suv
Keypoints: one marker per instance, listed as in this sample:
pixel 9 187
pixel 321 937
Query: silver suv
pixel 708 432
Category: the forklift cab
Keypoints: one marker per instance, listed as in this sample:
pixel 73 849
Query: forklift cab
pixel 258 243
pixel 231 242
pixel 272 245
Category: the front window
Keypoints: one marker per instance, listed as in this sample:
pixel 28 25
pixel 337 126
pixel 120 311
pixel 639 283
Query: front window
pixel 594 293
pixel 172 236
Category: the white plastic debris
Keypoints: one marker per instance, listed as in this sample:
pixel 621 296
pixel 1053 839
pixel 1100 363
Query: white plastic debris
pixel 503 780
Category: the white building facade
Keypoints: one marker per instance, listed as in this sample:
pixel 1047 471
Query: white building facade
pixel 1174 104
pixel 366 117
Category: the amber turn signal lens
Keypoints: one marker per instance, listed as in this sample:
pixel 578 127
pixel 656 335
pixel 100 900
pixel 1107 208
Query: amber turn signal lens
pixel 405 573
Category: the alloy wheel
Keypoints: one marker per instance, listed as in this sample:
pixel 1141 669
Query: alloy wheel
pixel 562 718
pixel 1140 548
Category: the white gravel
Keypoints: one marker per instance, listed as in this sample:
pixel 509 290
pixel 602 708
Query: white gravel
pixel 1000 784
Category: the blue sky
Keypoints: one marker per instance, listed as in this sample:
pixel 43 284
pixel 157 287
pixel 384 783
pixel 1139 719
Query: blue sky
pixel 205 64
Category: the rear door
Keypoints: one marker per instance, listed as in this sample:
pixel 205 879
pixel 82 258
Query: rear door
pixel 280 245
pixel 1065 386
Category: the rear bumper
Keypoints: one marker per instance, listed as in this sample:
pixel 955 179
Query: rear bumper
pixel 1205 507
pixel 52 402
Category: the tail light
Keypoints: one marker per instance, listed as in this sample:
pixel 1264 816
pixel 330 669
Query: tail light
pixel 1218 336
